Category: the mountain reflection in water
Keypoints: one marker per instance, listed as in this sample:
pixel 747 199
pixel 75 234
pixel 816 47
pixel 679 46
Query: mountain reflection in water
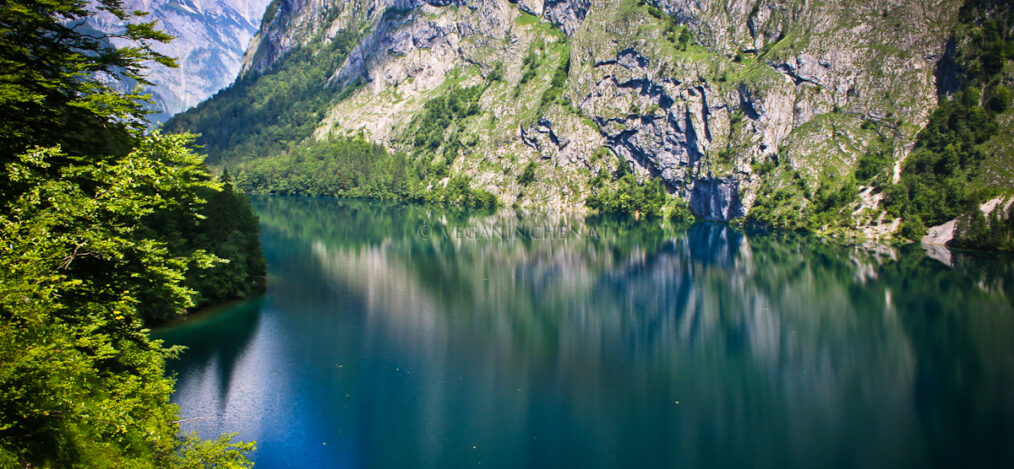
pixel 399 335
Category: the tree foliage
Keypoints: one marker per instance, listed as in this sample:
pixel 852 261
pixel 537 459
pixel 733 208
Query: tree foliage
pixel 270 113
pixel 995 232
pixel 458 192
pixel 875 162
pixel 625 195
pixel 528 174
pixel 48 60
pixel 780 207
pixel 80 271
pixel 337 166
pixel 938 180
pixel 102 230
pixel 792 206
pixel 438 126
pixel 262 128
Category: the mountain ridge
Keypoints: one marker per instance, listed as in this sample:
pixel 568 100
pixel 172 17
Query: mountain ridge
pixel 741 108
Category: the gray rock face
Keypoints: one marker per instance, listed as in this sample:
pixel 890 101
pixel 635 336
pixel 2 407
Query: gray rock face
pixel 567 14
pixel 665 140
pixel 211 38
pixel 675 117
pixel 716 199
pixel 396 37
pixel 289 23
pixel 541 138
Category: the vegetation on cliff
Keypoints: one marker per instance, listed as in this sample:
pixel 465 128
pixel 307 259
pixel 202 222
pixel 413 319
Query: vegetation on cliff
pixel 947 175
pixel 272 112
pixel 959 157
pixel 620 193
pixel 262 126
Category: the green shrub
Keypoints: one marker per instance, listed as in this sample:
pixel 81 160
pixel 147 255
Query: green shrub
pixel 877 158
pixel 627 196
pixel 496 74
pixel 437 125
pixel 555 85
pixel 1001 99
pixel 765 167
pixel 528 174
pixel 458 192
pixel 529 66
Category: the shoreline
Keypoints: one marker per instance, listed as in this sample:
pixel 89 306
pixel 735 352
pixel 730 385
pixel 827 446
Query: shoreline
pixel 203 313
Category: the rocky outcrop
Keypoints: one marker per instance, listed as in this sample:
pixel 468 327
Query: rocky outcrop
pixel 792 65
pixel 565 141
pixel 291 23
pixel 567 14
pixel 941 235
pixel 667 131
pixel 401 47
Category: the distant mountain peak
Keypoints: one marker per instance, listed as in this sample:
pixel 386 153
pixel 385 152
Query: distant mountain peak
pixel 211 37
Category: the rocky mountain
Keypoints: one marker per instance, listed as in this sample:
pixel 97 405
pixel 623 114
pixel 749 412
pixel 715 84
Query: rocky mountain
pixel 211 38
pixel 791 113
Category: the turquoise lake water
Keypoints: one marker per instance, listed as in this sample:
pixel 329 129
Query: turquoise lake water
pixel 406 336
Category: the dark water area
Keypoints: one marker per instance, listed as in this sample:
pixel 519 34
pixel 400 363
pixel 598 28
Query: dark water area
pixel 407 336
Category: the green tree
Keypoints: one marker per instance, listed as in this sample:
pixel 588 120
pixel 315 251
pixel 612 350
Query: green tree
pixel 49 59
pixel 96 224
pixel 627 196
pixel 941 179
pixel 83 385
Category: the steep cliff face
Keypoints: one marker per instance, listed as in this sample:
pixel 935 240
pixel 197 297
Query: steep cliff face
pixel 290 23
pixel 726 102
pixel 211 38
pixel 781 82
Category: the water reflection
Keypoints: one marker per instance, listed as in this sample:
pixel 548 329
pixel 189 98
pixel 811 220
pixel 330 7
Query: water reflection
pixel 398 335
pixel 216 345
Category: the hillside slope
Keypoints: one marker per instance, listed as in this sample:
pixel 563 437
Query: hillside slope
pixel 787 113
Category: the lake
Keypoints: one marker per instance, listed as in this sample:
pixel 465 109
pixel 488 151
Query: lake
pixel 396 335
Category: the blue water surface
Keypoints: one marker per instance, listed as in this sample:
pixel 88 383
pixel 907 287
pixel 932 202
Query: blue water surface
pixel 406 336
